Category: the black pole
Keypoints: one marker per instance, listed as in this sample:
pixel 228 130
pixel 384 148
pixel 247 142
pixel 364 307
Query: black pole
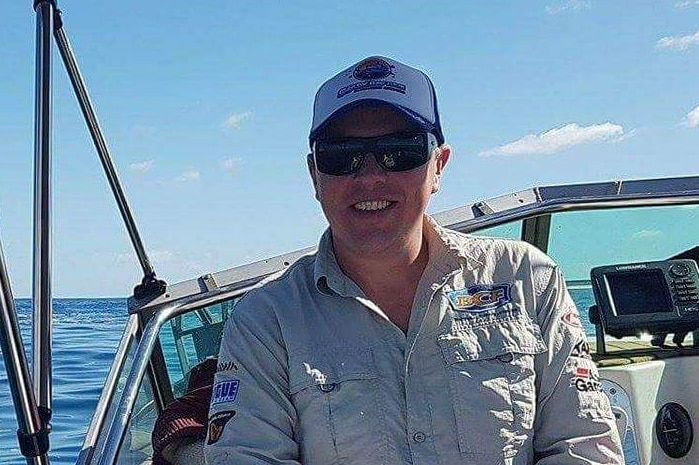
pixel 41 284
pixel 31 428
pixel 150 286
pixel 32 433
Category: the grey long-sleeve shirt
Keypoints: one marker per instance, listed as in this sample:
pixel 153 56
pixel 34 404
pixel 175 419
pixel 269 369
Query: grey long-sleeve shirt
pixel 494 368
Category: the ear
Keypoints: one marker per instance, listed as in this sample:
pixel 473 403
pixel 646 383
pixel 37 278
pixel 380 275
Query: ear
pixel 312 171
pixel 440 162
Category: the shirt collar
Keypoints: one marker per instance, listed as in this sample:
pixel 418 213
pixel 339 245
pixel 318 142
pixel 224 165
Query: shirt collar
pixel 450 250
pixel 447 253
pixel 327 274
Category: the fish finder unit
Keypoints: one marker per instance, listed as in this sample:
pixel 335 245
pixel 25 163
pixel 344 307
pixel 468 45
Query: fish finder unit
pixel 653 297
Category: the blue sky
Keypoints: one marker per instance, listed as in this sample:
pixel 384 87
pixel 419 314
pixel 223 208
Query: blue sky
pixel 206 107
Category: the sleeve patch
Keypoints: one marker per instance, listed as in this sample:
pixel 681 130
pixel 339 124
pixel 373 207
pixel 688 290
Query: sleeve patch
pixel 216 425
pixel 581 350
pixel 571 318
pixel 587 386
pixel 585 380
pixel 229 365
pixel 225 391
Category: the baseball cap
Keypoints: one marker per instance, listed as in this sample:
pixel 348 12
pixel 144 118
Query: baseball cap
pixel 378 80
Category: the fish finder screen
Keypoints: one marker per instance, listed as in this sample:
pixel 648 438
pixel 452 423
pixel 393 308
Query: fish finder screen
pixel 635 293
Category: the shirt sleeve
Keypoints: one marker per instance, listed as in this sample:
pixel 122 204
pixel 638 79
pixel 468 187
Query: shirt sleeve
pixel 251 416
pixel 574 422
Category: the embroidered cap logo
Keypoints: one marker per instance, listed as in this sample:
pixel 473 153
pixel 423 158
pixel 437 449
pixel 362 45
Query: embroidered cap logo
pixel 372 68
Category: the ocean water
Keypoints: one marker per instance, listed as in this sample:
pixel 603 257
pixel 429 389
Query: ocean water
pixel 86 334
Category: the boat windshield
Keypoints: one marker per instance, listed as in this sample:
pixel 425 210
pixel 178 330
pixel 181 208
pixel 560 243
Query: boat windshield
pixel 577 239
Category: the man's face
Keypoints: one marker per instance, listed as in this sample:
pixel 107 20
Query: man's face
pixel 373 210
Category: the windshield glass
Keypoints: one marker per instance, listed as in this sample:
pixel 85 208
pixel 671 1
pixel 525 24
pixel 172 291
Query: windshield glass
pixel 582 240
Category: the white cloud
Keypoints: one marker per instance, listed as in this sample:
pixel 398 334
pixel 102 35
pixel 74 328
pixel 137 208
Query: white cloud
pixel 230 164
pixel 189 175
pixel 678 43
pixel 692 118
pixel 569 5
pixel 559 139
pixel 142 167
pixel 236 119
pixel 647 234
pixel 144 130
pixel 156 256
pixel 687 4
pixel 161 256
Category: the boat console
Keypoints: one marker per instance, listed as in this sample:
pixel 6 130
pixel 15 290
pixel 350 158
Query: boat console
pixel 653 403
pixel 650 297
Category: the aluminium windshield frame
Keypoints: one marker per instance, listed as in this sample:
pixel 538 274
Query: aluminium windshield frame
pixel 127 345
pixel 529 203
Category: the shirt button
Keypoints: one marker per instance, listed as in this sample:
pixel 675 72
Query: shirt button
pixel 326 387
pixel 419 437
pixel 506 358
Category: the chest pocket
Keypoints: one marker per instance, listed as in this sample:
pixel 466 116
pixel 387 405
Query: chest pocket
pixel 337 397
pixel 489 360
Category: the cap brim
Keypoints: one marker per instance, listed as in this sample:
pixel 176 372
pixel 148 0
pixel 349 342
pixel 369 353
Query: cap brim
pixel 411 118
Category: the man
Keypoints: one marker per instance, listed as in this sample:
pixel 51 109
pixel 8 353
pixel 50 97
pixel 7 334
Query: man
pixel 399 341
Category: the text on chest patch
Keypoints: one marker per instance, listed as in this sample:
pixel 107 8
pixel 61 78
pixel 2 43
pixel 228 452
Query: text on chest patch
pixel 480 297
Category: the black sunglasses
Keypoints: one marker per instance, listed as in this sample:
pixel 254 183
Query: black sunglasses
pixel 394 152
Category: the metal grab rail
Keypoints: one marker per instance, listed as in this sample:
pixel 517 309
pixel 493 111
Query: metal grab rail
pixel 115 434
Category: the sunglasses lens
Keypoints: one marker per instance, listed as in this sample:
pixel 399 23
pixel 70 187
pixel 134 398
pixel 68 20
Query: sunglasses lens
pixel 398 152
pixel 403 153
pixel 338 158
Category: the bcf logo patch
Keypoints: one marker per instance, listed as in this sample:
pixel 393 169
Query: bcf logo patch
pixel 480 297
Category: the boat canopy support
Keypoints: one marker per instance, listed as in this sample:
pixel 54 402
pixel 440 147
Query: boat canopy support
pixel 33 431
pixel 32 397
pixel 41 284
pixel 150 283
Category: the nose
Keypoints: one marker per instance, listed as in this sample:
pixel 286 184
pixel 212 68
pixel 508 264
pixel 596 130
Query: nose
pixel 370 169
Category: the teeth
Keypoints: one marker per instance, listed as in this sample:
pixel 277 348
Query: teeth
pixel 372 205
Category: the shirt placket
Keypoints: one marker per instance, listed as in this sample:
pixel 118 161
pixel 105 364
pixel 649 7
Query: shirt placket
pixel 418 416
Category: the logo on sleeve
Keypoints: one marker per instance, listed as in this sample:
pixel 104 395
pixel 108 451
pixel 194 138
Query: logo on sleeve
pixel 581 350
pixel 229 365
pixel 480 297
pixel 585 380
pixel 225 391
pixel 216 425
pixel 571 318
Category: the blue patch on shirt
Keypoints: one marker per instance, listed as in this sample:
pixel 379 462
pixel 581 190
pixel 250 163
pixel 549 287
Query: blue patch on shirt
pixel 225 391
pixel 480 297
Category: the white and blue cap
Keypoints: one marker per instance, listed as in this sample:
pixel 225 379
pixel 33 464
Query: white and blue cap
pixel 378 80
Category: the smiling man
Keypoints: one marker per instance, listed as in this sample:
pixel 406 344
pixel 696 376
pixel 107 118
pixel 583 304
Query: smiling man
pixel 398 341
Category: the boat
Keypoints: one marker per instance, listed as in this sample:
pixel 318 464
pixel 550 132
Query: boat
pixel 174 328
